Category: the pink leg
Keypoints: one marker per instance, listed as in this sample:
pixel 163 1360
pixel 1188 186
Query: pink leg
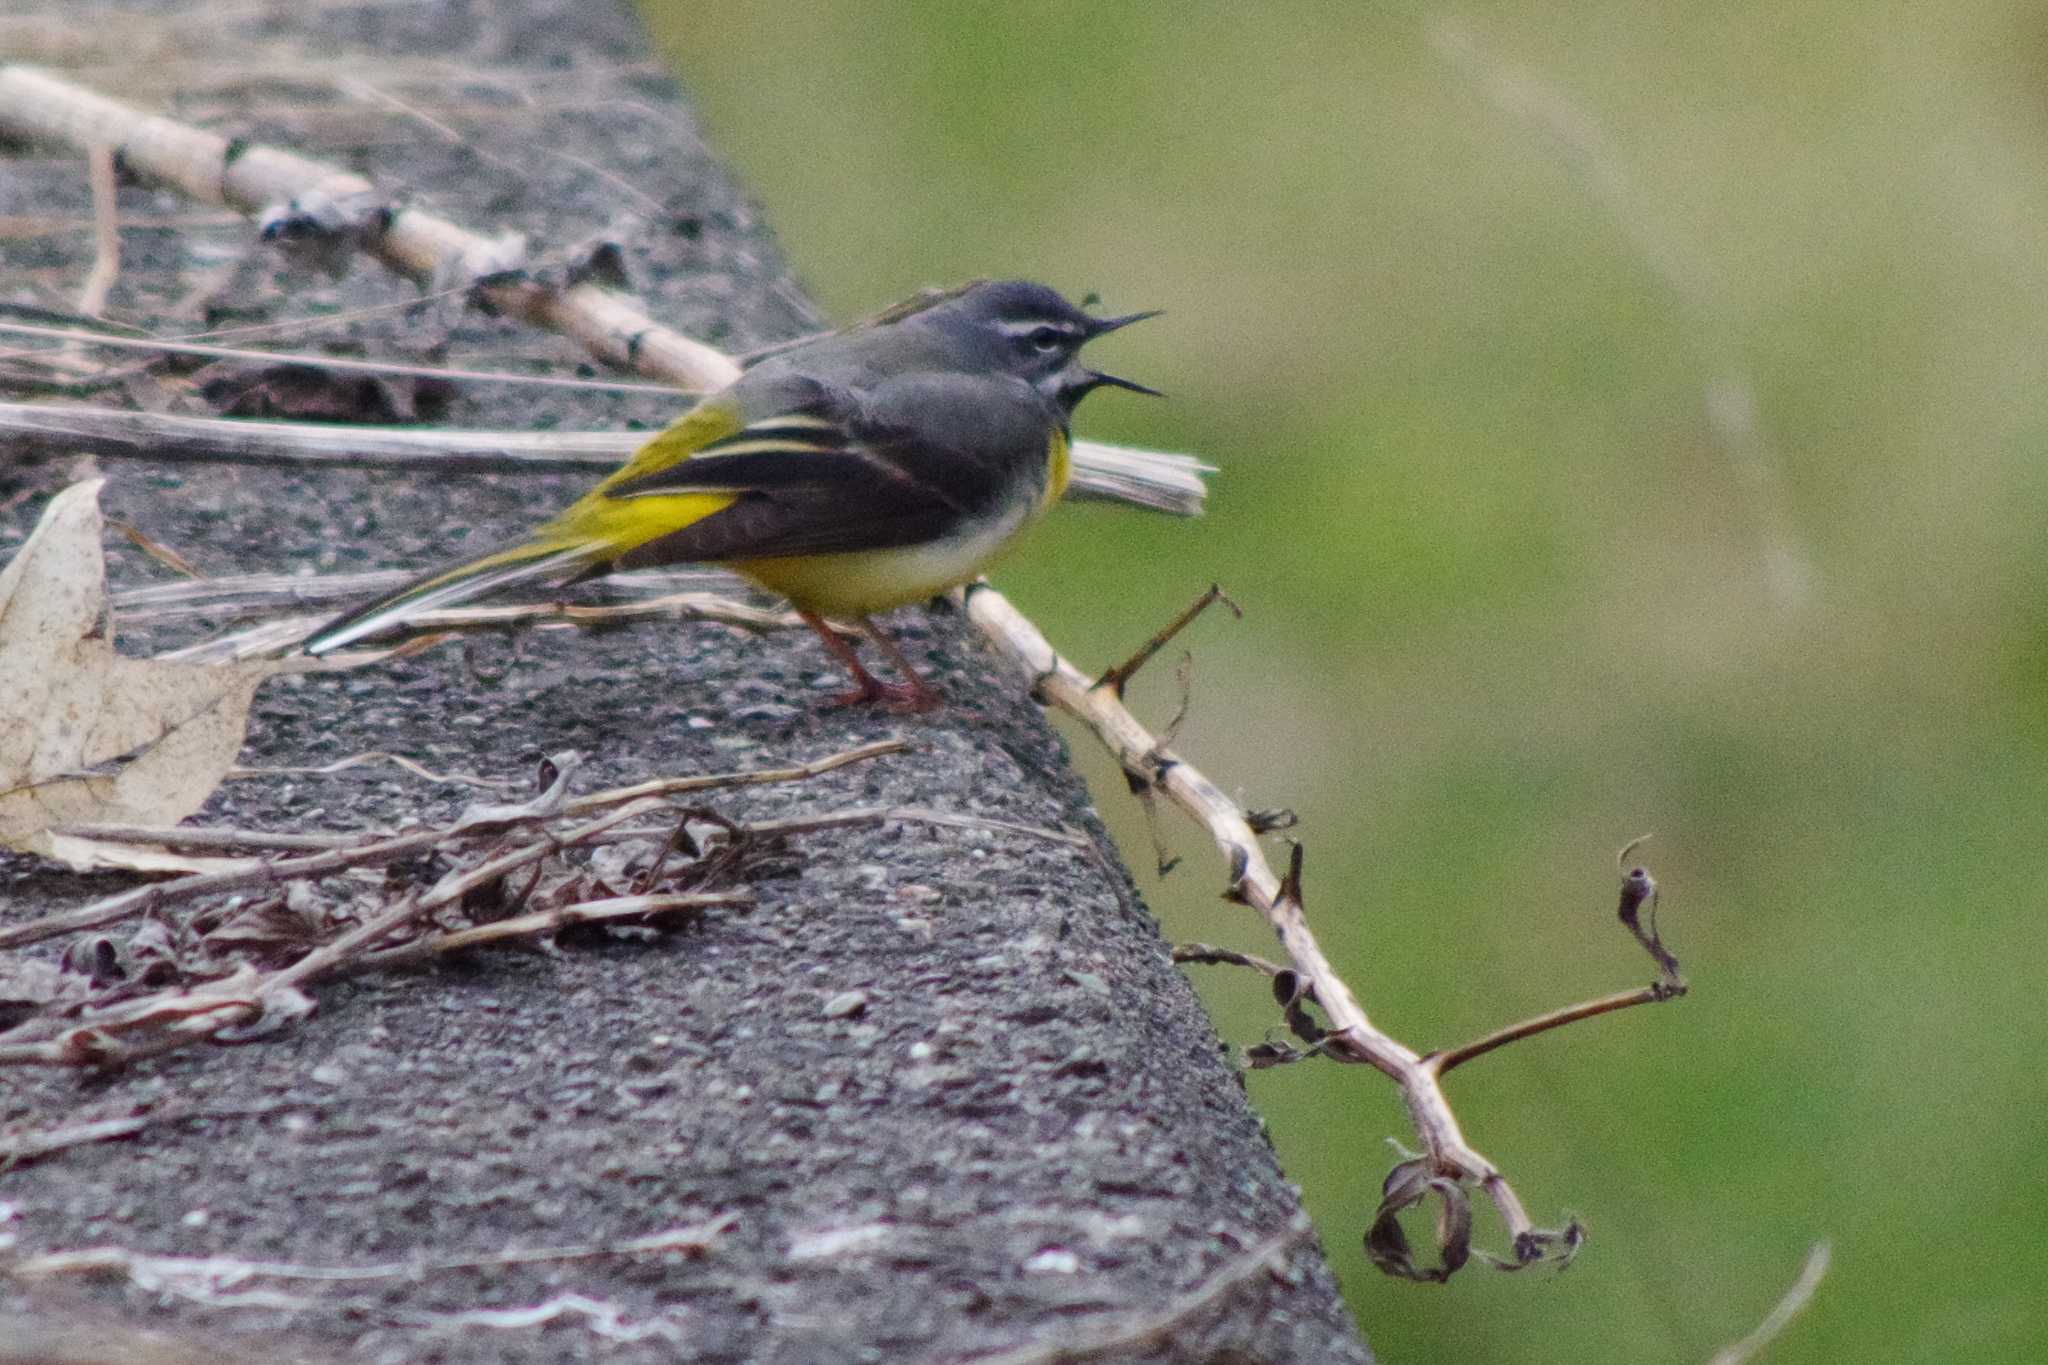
pixel 909 695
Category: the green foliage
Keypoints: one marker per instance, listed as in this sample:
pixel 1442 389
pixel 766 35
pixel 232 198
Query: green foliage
pixel 1514 599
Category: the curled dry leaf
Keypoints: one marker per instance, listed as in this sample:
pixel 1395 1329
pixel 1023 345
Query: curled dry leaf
pixel 1407 1185
pixel 87 736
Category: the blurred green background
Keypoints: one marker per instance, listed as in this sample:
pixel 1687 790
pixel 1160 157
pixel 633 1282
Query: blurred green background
pixel 1631 420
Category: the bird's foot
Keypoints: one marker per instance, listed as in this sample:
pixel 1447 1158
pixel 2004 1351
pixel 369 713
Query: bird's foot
pixel 908 698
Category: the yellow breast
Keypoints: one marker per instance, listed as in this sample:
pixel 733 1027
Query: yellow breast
pixel 864 581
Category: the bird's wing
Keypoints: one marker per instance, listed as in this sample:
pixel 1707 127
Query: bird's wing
pixel 835 472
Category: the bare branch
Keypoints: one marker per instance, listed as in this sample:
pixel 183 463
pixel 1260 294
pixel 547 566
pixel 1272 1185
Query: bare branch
pixel 1161 480
pixel 1115 679
pixel 1543 1023
pixel 1209 954
pixel 1352 1036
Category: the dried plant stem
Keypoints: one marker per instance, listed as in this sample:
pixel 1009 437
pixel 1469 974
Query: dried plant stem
pixel 142 899
pixel 159 1025
pixel 1732 411
pixel 548 922
pixel 280 635
pixel 370 756
pixel 450 889
pixel 1143 1330
pixel 677 786
pixel 1209 954
pixel 1116 678
pixel 60 429
pixel 1164 481
pixel 106 261
pixel 423 247
pixel 913 815
pixel 217 1270
pixel 19 1147
pixel 37 440
pixel 221 839
pixel 1654 994
pixel 194 838
pixel 261 594
pixel 1353 1037
pixel 127 904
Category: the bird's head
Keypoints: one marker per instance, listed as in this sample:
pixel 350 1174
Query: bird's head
pixel 1030 331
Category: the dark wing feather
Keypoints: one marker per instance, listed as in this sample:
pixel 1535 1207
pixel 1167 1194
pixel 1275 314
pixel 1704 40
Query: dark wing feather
pixel 898 466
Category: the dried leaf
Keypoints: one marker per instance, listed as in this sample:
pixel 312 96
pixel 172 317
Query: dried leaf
pixel 82 854
pixel 266 926
pixel 554 774
pixel 87 736
pixel 282 1007
pixel 1407 1185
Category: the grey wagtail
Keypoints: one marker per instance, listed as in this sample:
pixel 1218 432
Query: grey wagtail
pixel 856 472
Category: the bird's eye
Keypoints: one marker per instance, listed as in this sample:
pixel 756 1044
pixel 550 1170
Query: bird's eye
pixel 1045 340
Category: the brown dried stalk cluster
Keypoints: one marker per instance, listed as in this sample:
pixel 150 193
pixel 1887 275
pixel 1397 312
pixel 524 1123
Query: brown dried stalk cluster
pixel 324 211
pixel 225 956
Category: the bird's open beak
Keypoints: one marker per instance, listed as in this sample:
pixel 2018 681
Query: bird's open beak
pixel 1095 379
pixel 1104 326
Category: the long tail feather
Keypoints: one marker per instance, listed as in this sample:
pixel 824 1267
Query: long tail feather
pixel 522 563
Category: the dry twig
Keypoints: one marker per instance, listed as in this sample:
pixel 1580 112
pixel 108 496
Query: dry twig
pixel 241 596
pixel 141 899
pixel 1140 1331
pixel 120 436
pixel 16 1148
pixel 205 1278
pixel 281 634
pixel 1161 480
pixel 106 261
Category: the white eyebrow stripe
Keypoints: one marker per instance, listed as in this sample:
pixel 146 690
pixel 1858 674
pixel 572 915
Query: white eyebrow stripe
pixel 1018 329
